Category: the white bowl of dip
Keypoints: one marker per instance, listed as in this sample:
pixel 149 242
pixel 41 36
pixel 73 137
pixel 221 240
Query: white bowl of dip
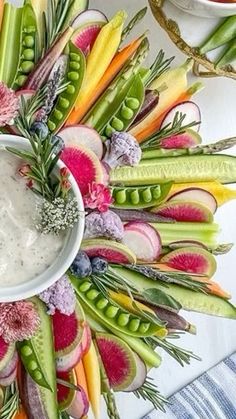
pixel 18 290
pixel 206 8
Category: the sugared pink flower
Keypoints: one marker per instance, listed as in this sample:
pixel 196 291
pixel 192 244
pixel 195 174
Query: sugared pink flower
pixel 18 321
pixel 99 197
pixel 9 105
pixel 64 172
pixel 66 185
pixel 24 170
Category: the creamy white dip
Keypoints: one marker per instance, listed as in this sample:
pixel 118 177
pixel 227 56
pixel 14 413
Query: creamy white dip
pixel 24 252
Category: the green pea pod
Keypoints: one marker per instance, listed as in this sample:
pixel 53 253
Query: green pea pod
pixel 27 55
pixel 10 36
pixel 112 314
pixel 30 360
pixel 220 36
pixel 109 102
pixel 141 196
pixel 66 100
pixel 228 56
pixel 128 110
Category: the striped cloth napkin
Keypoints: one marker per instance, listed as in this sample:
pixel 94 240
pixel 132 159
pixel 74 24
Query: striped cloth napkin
pixel 211 396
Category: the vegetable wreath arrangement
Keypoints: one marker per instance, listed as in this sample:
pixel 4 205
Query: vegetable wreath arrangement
pixel 76 90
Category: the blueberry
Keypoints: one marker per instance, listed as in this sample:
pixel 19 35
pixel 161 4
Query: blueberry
pixel 81 266
pixel 40 129
pixel 99 266
pixel 60 143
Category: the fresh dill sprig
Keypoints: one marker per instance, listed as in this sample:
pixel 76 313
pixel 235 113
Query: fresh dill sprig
pixel 175 128
pixel 11 402
pixel 158 67
pixel 148 391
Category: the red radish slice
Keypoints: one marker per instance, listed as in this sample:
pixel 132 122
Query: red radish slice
pixel 192 260
pixel 143 240
pixel 85 36
pixel 189 109
pixel 198 195
pixel 89 16
pixel 84 166
pixel 80 405
pixel 82 136
pixel 188 139
pixel 185 211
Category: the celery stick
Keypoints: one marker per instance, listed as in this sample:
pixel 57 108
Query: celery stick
pixel 10 42
pixel 205 233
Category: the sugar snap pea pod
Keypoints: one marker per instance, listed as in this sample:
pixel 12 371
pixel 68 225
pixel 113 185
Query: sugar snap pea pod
pixel 9 42
pixel 220 36
pixel 66 100
pixel 141 196
pixel 108 103
pixel 31 363
pixel 112 314
pixel 28 46
pixel 128 109
pixel 228 56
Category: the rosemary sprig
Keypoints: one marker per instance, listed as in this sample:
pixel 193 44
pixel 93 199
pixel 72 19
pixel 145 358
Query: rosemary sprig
pixel 55 20
pixel 174 128
pixel 149 392
pixel 182 356
pixel 158 67
pixel 134 21
pixel 11 402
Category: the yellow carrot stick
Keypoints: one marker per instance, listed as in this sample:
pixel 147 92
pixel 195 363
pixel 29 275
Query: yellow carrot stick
pixel 93 378
pixel 1 12
pixel 102 53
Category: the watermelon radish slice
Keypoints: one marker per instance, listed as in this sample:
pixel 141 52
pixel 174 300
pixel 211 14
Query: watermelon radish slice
pixel 186 243
pixel 84 166
pixel 185 211
pixel 6 353
pixel 198 195
pixel 82 136
pixel 192 260
pixel 188 139
pixel 68 331
pixel 143 240
pixel 65 395
pixel 66 362
pixel 88 17
pixel 122 365
pixel 85 36
pixel 112 251
pixel 189 109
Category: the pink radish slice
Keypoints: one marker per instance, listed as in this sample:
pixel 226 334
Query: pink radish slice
pixel 188 139
pixel 141 375
pixel 143 240
pixel 67 362
pixel 85 36
pixel 189 109
pixel 198 195
pixel 89 16
pixel 80 135
pixel 80 405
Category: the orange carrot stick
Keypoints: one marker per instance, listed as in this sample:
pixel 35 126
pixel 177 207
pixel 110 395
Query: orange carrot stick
pixel 20 414
pixel 81 378
pixel 116 65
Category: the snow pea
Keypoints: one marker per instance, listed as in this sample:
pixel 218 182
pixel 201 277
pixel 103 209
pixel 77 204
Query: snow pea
pixel 31 363
pixel 140 196
pixel 27 56
pixel 66 100
pixel 228 56
pixel 220 36
pixel 128 109
pixel 113 97
pixel 110 313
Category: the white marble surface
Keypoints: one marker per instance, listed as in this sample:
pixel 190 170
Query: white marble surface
pixel 216 338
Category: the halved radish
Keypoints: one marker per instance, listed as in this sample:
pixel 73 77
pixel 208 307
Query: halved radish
pixel 89 16
pixel 187 139
pixel 81 135
pixel 143 240
pixel 187 211
pixel 198 195
pixel 189 109
pixel 192 260
pixel 85 36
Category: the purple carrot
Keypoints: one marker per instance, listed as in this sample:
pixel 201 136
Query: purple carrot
pixel 146 216
pixel 174 320
pixel 42 70
pixel 150 101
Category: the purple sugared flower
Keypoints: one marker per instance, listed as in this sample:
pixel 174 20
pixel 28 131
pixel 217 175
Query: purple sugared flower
pixel 60 296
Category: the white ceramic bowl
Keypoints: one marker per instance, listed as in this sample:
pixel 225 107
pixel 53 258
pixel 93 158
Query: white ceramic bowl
pixel 206 8
pixel 66 256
